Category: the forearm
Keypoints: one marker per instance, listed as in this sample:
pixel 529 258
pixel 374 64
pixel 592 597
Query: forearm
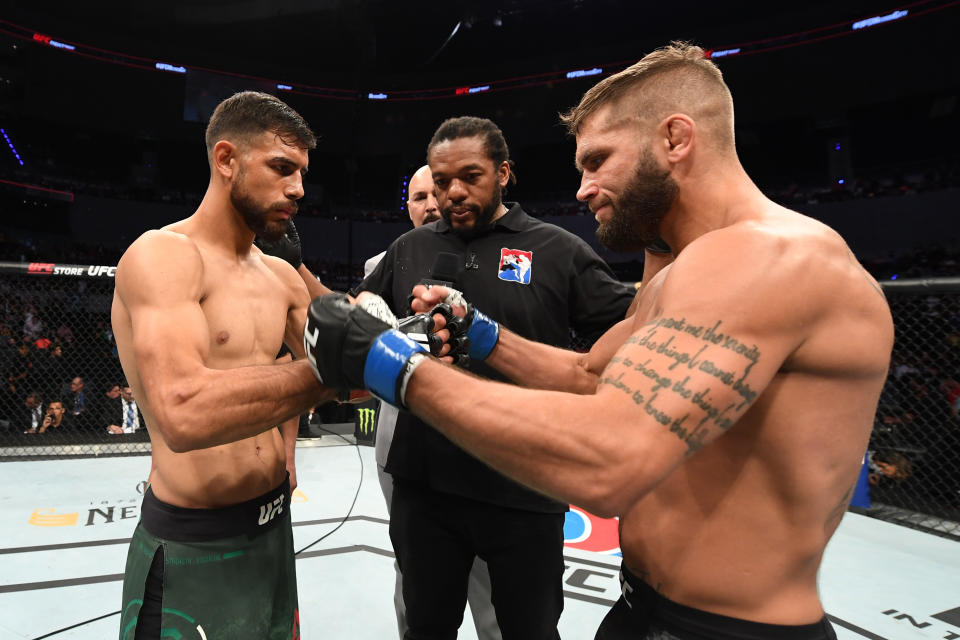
pixel 540 366
pixel 550 441
pixel 314 286
pixel 288 431
pixel 213 406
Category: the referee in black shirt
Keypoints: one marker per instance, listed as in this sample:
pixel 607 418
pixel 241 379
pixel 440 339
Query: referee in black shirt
pixel 540 281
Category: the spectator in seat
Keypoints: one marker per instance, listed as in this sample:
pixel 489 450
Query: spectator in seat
pixel 56 417
pixel 32 325
pixel 890 466
pixel 32 418
pixel 19 370
pixel 105 404
pixel 76 401
pixel 65 334
pixel 51 371
pixel 124 415
pixel 951 391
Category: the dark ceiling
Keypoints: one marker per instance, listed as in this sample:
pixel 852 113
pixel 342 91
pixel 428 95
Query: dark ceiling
pixel 888 91
pixel 880 86
pixel 357 42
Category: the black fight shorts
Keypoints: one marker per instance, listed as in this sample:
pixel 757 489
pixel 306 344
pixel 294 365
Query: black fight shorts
pixel 643 614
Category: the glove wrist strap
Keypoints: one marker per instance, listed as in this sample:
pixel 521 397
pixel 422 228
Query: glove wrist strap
pixel 411 365
pixel 385 364
pixel 483 335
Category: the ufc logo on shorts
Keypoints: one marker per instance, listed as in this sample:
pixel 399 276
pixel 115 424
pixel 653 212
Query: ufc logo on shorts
pixel 271 509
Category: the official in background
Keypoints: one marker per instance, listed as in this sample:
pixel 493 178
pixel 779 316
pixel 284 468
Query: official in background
pixel 422 208
pixel 539 280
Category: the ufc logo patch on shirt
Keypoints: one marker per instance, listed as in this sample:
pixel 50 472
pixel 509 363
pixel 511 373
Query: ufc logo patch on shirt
pixel 515 265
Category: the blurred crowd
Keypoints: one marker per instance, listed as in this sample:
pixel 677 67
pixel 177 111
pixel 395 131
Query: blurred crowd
pixel 59 360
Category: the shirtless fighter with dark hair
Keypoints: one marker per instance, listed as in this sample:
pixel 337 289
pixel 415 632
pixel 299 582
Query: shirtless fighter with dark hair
pixel 199 315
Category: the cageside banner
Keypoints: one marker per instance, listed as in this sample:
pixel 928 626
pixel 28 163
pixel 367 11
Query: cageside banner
pixel 42 269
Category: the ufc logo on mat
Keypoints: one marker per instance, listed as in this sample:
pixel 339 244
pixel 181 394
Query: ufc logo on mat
pixel 271 509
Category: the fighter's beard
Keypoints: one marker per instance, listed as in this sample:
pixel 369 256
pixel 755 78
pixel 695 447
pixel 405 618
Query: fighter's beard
pixel 482 219
pixel 256 216
pixel 640 209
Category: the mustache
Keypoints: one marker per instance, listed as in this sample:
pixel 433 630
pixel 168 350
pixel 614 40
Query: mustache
pixel 292 207
pixel 596 204
pixel 475 208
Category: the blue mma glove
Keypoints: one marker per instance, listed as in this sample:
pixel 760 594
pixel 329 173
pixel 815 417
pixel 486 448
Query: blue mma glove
pixel 481 331
pixel 353 346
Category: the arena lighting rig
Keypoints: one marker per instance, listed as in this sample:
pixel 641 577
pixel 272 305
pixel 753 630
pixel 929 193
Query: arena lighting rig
pixel 13 149
pixel 775 43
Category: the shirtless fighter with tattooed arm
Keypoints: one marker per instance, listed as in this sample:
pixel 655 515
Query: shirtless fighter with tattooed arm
pixel 725 421
pixel 199 314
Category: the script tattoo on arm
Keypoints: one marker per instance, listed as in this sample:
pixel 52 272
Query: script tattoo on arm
pixel 836 514
pixel 706 414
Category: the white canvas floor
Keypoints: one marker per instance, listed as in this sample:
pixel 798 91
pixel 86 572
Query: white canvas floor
pixel 66 524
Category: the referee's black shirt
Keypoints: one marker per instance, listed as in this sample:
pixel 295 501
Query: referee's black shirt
pixel 536 279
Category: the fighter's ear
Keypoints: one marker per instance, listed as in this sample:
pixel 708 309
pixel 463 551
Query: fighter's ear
pixel 225 158
pixel 678 132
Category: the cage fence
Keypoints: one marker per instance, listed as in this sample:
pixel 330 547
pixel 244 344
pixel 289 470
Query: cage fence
pixel 64 392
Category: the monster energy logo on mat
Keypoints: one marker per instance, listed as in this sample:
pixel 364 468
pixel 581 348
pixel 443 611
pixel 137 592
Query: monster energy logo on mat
pixel 367 420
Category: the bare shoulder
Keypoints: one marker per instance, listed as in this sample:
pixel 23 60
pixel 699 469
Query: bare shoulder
pixel 159 262
pixel 781 254
pixel 279 267
pixel 786 276
pixel 282 270
pixel 166 239
pixel 744 262
pixel 819 261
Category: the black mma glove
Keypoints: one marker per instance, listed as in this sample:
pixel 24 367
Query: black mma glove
pixel 352 346
pixel 419 328
pixel 474 335
pixel 287 247
pixel 457 326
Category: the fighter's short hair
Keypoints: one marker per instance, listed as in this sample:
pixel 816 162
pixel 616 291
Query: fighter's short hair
pixel 469 127
pixel 675 78
pixel 250 113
